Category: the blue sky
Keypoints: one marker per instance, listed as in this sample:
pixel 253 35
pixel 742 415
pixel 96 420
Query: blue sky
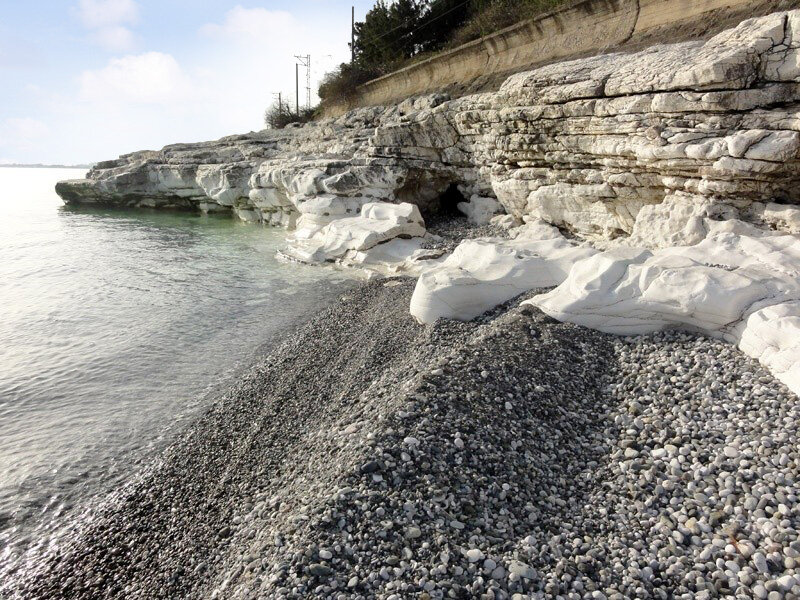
pixel 87 80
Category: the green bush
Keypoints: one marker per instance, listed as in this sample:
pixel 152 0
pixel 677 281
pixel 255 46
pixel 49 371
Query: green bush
pixel 279 115
pixel 341 83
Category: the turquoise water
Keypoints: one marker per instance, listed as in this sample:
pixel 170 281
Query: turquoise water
pixel 115 328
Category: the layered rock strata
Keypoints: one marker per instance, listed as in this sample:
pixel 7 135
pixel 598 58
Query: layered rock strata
pixel 384 237
pixel 642 145
pixel 689 154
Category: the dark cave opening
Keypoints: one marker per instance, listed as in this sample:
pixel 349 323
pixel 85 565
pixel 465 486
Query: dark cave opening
pixel 448 202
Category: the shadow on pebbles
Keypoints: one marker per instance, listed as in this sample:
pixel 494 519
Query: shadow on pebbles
pixel 510 457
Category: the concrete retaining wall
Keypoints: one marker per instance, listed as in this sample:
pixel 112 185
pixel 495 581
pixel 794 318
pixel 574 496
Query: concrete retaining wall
pixel 657 13
pixel 585 26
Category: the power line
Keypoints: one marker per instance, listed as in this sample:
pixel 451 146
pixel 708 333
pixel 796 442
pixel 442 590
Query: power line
pixel 423 24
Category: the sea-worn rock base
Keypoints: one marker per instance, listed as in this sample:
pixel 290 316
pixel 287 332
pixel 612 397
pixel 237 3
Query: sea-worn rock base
pixel 508 457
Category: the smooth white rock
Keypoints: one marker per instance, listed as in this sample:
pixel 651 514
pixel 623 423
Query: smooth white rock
pixel 483 273
pixel 379 222
pixel 399 256
pixel 474 555
pixel 781 216
pixel 480 210
pixel 772 335
pixel 741 288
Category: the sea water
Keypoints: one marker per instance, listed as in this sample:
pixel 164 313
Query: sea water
pixel 117 326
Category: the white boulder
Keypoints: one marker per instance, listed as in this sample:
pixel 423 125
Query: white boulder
pixel 222 183
pixel 480 210
pixel 742 288
pixel 400 256
pixel 483 273
pixel 779 216
pixel 378 223
pixel 772 335
pixel 680 220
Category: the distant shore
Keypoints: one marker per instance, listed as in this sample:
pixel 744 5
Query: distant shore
pixel 39 166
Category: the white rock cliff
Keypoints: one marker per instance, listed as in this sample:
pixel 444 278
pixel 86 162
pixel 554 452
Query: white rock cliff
pixel 675 171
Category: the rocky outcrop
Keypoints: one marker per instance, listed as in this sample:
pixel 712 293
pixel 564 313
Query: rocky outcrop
pixel 384 237
pixel 694 146
pixel 483 273
pixel 646 146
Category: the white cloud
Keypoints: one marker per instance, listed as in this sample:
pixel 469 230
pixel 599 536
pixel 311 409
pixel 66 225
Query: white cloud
pixel 215 83
pixel 149 78
pixel 256 47
pixel 107 20
pixel 96 14
pixel 251 22
pixel 116 39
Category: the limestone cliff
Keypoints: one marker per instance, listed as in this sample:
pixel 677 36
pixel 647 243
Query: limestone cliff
pixel 690 149
pixel 606 147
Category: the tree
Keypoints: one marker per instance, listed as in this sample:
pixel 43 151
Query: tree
pixel 440 19
pixel 342 81
pixel 387 35
pixel 395 30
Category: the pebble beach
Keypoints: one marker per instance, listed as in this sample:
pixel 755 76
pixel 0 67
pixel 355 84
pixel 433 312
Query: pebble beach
pixel 513 313
pixel 512 456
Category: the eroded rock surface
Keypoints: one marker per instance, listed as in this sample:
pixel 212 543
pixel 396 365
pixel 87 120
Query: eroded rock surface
pixel 595 146
pixel 741 288
pixel 680 162
pixel 384 237
pixel 482 273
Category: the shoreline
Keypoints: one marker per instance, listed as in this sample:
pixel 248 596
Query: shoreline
pixel 519 418
pixel 370 456
pixel 53 529
pixel 656 189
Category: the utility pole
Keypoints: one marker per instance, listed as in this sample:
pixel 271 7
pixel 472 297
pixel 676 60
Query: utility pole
pixel 308 81
pixel 305 61
pixel 280 103
pixel 352 34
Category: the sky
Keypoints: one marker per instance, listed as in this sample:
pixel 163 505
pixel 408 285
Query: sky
pixel 88 80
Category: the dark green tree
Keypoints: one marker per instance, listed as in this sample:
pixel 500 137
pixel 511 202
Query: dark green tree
pixel 395 30
pixel 440 19
pixel 388 34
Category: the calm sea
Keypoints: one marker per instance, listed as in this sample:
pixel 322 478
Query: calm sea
pixel 116 327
